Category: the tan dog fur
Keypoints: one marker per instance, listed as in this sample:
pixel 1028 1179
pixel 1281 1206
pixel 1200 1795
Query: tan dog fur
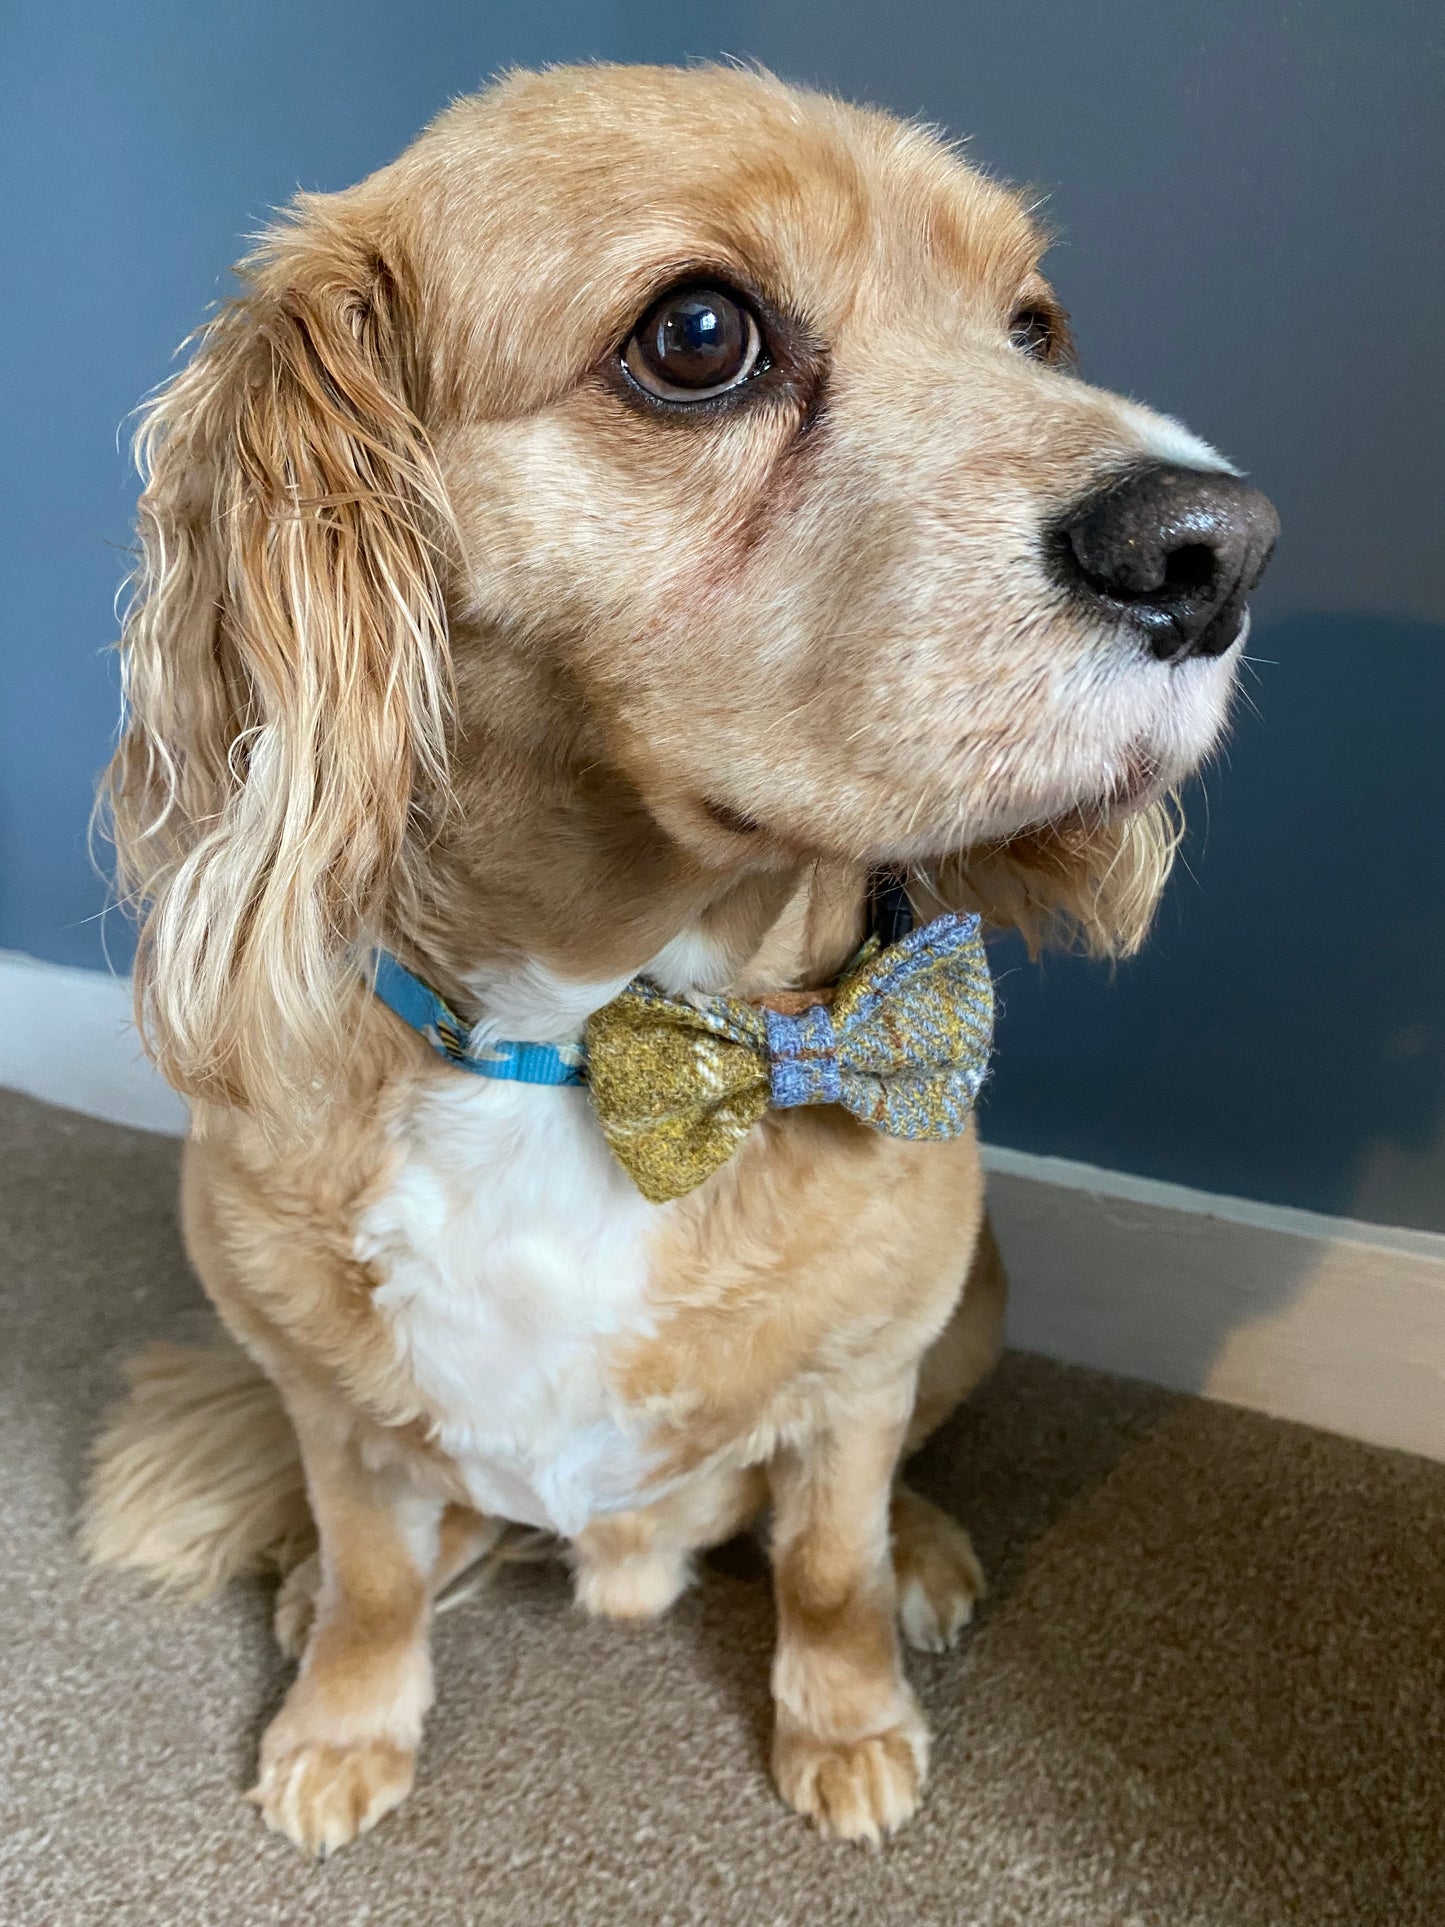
pixel 442 640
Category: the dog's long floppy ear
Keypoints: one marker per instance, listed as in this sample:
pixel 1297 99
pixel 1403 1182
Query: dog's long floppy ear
pixel 1086 883
pixel 285 664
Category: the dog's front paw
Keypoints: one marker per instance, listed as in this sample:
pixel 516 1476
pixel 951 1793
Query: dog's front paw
pixel 641 1587
pixel 938 1575
pixel 295 1609
pixel 322 1797
pixel 853 1789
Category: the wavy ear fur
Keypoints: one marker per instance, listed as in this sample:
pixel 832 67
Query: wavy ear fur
pixel 1087 883
pixel 285 665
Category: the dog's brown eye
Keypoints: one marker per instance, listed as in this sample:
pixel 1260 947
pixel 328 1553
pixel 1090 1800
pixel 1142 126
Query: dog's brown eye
pixel 1034 332
pixel 693 344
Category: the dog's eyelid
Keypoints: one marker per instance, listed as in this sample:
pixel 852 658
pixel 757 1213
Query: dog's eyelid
pixel 775 315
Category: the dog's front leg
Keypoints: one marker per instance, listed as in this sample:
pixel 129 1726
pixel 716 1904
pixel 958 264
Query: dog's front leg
pixel 850 1748
pixel 341 1751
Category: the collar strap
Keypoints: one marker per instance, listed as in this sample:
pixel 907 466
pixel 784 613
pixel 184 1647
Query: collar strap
pixel 889 907
pixel 889 918
pixel 517 1063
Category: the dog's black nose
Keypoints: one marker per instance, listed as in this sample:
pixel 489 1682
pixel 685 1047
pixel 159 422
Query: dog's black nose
pixel 1176 550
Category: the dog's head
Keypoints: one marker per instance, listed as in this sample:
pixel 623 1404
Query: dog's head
pixel 668 474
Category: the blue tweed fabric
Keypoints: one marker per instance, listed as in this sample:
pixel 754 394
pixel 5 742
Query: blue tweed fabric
pixel 913 1026
pixel 803 1063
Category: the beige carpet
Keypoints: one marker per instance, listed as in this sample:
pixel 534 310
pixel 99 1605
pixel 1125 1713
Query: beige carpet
pixel 1209 1687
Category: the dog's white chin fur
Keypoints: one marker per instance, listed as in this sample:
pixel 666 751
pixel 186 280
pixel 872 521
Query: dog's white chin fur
pixel 1122 749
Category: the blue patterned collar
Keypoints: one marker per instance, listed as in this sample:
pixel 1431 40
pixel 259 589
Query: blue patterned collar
pixel 418 1005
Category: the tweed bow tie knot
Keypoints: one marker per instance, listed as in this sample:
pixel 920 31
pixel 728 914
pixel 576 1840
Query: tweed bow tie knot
pixel 903 1044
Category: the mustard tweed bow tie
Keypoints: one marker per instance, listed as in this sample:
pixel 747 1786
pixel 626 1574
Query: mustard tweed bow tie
pixel 902 1042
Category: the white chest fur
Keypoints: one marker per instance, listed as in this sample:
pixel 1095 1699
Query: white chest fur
pixel 513 1252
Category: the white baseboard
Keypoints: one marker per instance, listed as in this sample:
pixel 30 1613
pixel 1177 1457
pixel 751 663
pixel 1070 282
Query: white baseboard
pixel 1330 1321
pixel 67 1036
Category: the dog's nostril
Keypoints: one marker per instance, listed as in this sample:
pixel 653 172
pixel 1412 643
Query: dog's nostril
pixel 1174 550
pixel 1144 572
pixel 1189 568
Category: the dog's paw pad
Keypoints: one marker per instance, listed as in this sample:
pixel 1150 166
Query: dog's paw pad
pixel 852 1789
pixel 322 1797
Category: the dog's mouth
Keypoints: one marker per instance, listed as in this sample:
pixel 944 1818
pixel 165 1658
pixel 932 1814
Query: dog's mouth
pixel 735 822
pixel 1140 780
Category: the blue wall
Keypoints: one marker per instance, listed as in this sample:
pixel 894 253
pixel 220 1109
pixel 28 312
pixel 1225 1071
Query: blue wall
pixel 1250 201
